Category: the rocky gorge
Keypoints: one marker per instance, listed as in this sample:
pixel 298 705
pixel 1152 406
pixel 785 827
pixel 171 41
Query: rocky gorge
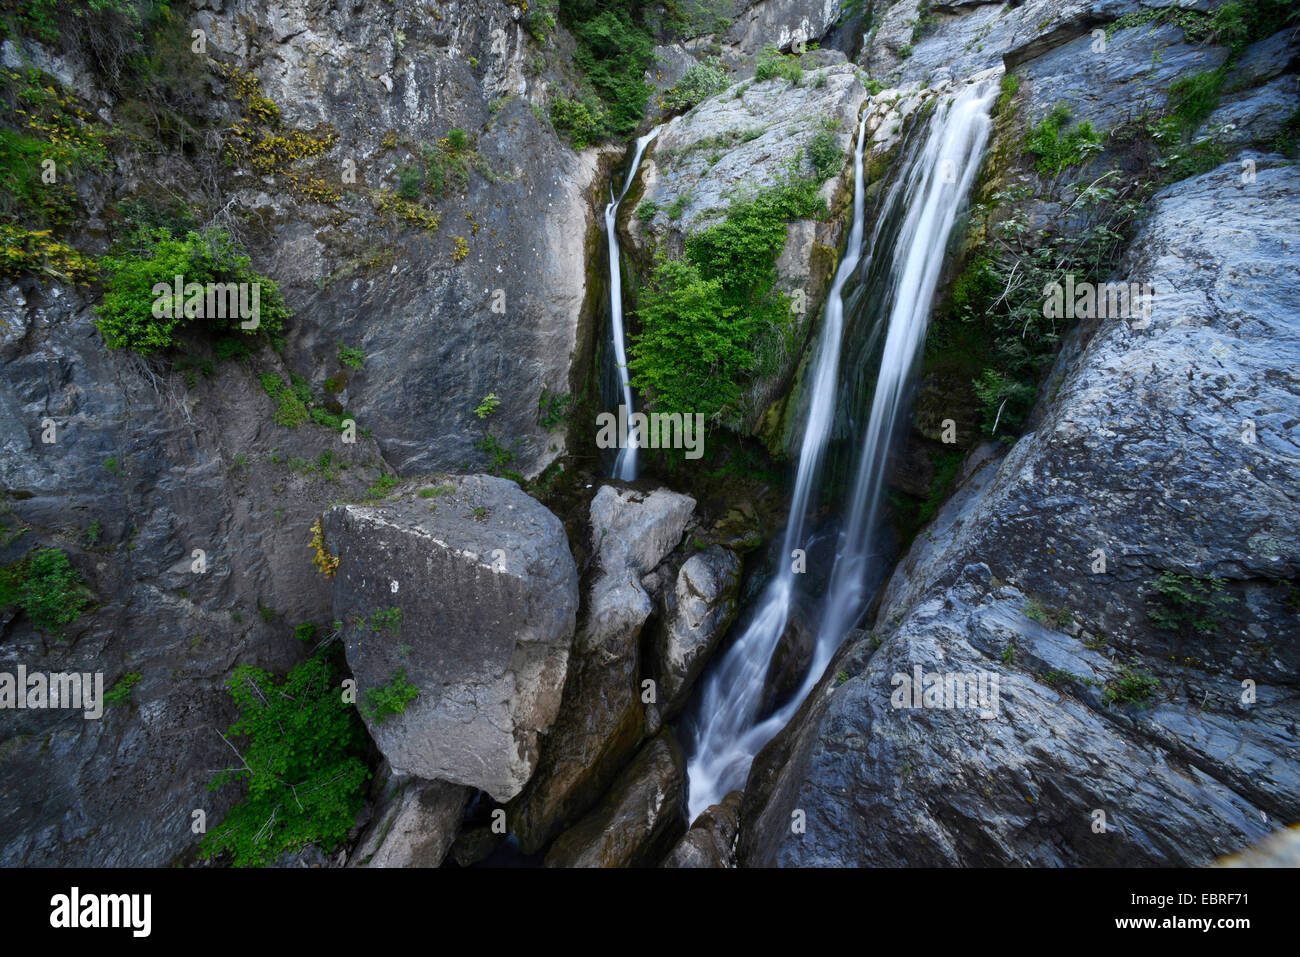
pixel 387 505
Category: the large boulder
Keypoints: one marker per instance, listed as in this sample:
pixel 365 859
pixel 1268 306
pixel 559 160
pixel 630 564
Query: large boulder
pixel 486 593
pixel 602 717
pixel 697 611
pixel 640 818
pixel 1169 448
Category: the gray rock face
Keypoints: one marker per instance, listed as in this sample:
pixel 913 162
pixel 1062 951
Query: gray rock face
pixel 1142 456
pixel 488 595
pixel 698 609
pixel 1128 78
pixel 711 841
pixel 602 719
pixel 143 471
pixel 203 466
pixel 414 826
pixel 640 818
pixel 782 23
pixel 1255 115
pixel 424 317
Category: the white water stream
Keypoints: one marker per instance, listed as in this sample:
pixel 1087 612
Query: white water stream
pixel 625 463
pixel 728 730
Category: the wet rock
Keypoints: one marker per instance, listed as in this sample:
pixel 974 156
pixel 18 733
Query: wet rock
pixel 421 315
pixel 638 821
pixel 696 614
pixel 602 717
pixel 146 474
pixel 790 660
pixel 711 841
pixel 486 594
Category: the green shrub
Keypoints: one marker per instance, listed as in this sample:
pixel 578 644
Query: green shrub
pixel 381 703
pixel 1133 686
pixel 386 620
pixel 583 124
pixel 1188 606
pixel 554 410
pixel 1056 150
pixel 702 317
pixel 614 48
pixel 825 154
pixel 1193 98
pixel 351 358
pixel 121 690
pixel 698 84
pixel 773 64
pixel 127 317
pixel 301 759
pixel 46 587
pixel 290 411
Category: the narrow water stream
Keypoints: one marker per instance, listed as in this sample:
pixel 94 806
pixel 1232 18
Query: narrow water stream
pixel 625 465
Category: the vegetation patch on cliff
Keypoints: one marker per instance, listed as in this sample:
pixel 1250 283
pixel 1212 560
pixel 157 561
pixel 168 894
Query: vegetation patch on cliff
pixel 301 759
pixel 702 316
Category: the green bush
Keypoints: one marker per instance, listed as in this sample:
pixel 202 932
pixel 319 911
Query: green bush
pixel 582 123
pixel 46 587
pixel 1133 686
pixel 772 63
pixel 703 317
pixel 698 84
pixel 1186 605
pixel 127 317
pixel 290 411
pixel 301 758
pixel 121 690
pixel 614 48
pixel 825 154
pixel 1056 149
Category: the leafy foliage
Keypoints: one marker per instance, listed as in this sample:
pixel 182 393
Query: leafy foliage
pixel 1133 686
pixel 1188 606
pixel 384 701
pixel 46 587
pixel 301 760
pixel 614 49
pixel 1057 149
pixel 698 84
pixel 155 256
pixel 121 690
pixel 701 316
pixel 772 63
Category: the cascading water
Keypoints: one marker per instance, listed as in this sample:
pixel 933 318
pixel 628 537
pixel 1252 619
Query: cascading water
pixel 728 735
pixel 728 731
pixel 625 463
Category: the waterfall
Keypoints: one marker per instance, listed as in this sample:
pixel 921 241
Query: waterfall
pixel 727 732
pixel 728 735
pixel 625 463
